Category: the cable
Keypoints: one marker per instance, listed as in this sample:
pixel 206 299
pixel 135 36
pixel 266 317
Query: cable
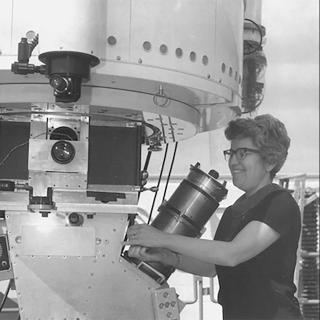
pixel 17 147
pixel 159 180
pixel 63 135
pixel 5 296
pixel 169 174
pixel 145 168
pixel 258 103
pixel 146 164
pixel 261 38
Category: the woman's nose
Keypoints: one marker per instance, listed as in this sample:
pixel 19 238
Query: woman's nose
pixel 233 159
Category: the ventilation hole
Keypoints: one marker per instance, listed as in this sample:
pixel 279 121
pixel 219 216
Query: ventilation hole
pixel 193 56
pixel 112 40
pixel 236 76
pixel 179 52
pixel 147 46
pixel 205 60
pixel 239 79
pixel 223 68
pixel 230 72
pixel 163 49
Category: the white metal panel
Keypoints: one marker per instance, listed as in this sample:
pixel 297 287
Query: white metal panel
pixel 40 157
pixel 211 29
pixel 118 26
pixel 186 25
pixel 57 241
pixel 72 25
pixel 95 288
pixel 5 27
pixel 229 24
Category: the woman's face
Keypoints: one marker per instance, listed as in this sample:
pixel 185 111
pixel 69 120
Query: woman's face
pixel 250 173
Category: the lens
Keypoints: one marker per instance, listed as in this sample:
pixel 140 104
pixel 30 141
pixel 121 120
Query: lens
pixel 59 83
pixel 63 152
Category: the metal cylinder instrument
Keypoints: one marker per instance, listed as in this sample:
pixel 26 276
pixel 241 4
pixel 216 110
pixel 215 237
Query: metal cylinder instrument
pixel 189 208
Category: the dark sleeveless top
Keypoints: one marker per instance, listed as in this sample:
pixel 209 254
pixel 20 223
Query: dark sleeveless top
pixel 262 287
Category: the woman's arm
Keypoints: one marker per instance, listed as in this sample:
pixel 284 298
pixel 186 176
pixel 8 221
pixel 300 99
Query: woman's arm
pixel 196 266
pixel 178 261
pixel 251 240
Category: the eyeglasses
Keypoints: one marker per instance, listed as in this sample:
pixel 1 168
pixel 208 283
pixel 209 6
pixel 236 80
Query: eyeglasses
pixel 240 153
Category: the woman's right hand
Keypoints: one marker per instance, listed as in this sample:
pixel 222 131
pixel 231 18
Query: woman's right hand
pixel 153 254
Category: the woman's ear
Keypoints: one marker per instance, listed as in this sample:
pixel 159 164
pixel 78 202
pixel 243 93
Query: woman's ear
pixel 269 166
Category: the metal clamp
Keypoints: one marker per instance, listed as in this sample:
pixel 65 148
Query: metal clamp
pixel 160 99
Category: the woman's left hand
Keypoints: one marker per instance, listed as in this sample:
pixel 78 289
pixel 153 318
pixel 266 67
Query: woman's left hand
pixel 146 235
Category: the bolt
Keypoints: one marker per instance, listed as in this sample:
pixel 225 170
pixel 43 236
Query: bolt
pixel 18 239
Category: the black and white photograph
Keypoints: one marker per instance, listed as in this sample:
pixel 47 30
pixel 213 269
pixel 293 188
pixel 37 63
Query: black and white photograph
pixel 159 160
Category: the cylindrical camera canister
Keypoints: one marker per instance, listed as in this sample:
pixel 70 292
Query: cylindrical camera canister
pixel 189 208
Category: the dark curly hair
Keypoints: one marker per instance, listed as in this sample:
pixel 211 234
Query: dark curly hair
pixel 267 133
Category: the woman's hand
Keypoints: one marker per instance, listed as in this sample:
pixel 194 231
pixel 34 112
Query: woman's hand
pixel 153 255
pixel 147 236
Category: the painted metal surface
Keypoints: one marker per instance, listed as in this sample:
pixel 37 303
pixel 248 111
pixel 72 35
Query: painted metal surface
pixel 78 270
pixel 192 51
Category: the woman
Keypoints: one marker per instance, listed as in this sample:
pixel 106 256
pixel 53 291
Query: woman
pixel 254 250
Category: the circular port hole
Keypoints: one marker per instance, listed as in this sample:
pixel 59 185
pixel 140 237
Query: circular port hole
pixel 193 56
pixel 163 49
pixel 205 60
pixel 147 46
pixel 179 52
pixel 112 40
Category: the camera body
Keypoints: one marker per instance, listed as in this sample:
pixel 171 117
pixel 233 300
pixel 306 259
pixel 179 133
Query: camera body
pixel 66 71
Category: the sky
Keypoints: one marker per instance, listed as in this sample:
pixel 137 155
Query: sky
pixel 292 78
pixel 291 91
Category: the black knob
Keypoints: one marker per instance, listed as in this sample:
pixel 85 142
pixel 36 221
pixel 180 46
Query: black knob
pixel 75 219
pixel 214 174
